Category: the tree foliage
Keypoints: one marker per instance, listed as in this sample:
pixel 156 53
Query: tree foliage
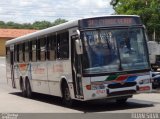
pixel 59 21
pixel 148 10
pixel 36 25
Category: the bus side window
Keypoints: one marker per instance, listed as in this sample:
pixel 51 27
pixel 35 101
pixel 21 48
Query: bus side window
pixel 23 51
pixel 15 53
pixel 63 45
pixel 26 52
pixel 20 53
pixel 8 55
pixel 30 50
pixel 52 47
pixel 38 50
pixel 42 49
pixel 47 48
pixel 34 50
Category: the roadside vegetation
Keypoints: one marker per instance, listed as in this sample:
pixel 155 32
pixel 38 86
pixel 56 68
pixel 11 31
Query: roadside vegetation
pixel 36 25
pixel 148 10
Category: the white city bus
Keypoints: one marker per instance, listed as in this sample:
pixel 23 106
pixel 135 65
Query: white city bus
pixel 86 59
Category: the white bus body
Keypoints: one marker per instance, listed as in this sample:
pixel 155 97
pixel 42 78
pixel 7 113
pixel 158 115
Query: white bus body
pixel 48 62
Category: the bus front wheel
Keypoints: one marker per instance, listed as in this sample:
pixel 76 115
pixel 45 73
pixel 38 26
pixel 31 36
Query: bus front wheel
pixel 66 95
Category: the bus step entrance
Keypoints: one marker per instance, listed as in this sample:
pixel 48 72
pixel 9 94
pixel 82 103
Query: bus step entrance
pixel 79 91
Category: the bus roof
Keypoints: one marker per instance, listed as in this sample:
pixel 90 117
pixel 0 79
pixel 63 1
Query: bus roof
pixel 110 16
pixel 43 32
pixel 63 26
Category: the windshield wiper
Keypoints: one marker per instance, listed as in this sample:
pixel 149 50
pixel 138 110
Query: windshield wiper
pixel 119 57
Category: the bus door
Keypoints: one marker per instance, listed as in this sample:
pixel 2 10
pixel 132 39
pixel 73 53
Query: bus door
pixel 76 69
pixel 12 65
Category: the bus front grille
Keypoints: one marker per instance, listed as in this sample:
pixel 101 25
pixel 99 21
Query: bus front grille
pixel 121 85
pixel 118 93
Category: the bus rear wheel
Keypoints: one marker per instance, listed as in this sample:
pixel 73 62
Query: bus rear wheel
pixel 66 96
pixel 28 89
pixel 23 88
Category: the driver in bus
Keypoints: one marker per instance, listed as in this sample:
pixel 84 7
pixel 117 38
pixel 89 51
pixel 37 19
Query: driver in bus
pixel 125 46
pixel 127 42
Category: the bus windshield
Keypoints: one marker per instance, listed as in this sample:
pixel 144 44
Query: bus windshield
pixel 114 50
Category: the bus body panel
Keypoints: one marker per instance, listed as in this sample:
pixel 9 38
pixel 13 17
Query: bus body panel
pixel 101 87
pixel 17 75
pixel 39 77
pixel 8 75
pixel 58 70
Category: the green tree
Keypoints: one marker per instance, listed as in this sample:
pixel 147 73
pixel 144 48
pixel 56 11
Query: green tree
pixel 45 24
pixel 2 24
pixel 27 26
pixel 11 24
pixel 59 21
pixel 36 25
pixel 148 10
pixel 41 24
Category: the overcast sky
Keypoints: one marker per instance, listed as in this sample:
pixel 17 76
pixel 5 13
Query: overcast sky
pixel 25 11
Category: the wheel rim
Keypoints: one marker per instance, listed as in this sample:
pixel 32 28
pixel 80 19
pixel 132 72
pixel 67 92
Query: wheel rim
pixel 28 89
pixel 23 90
pixel 67 94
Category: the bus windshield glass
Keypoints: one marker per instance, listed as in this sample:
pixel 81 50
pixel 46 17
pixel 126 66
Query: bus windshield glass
pixel 114 50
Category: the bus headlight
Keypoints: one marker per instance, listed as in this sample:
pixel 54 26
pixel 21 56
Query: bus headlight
pixel 144 81
pixel 95 87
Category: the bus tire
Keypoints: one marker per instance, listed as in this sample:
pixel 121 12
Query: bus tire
pixel 66 95
pixel 121 101
pixel 23 89
pixel 28 89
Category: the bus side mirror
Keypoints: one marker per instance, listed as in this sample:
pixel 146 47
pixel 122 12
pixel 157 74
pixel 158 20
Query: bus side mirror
pixel 79 49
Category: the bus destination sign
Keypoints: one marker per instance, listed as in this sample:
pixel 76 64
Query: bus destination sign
pixel 109 21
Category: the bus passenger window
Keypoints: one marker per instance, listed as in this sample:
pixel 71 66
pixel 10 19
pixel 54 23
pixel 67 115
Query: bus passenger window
pixel 52 47
pixel 15 53
pixel 42 49
pixel 34 51
pixel 23 51
pixel 47 48
pixel 30 50
pixel 38 50
pixel 20 53
pixel 8 55
pixel 26 53
pixel 63 45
